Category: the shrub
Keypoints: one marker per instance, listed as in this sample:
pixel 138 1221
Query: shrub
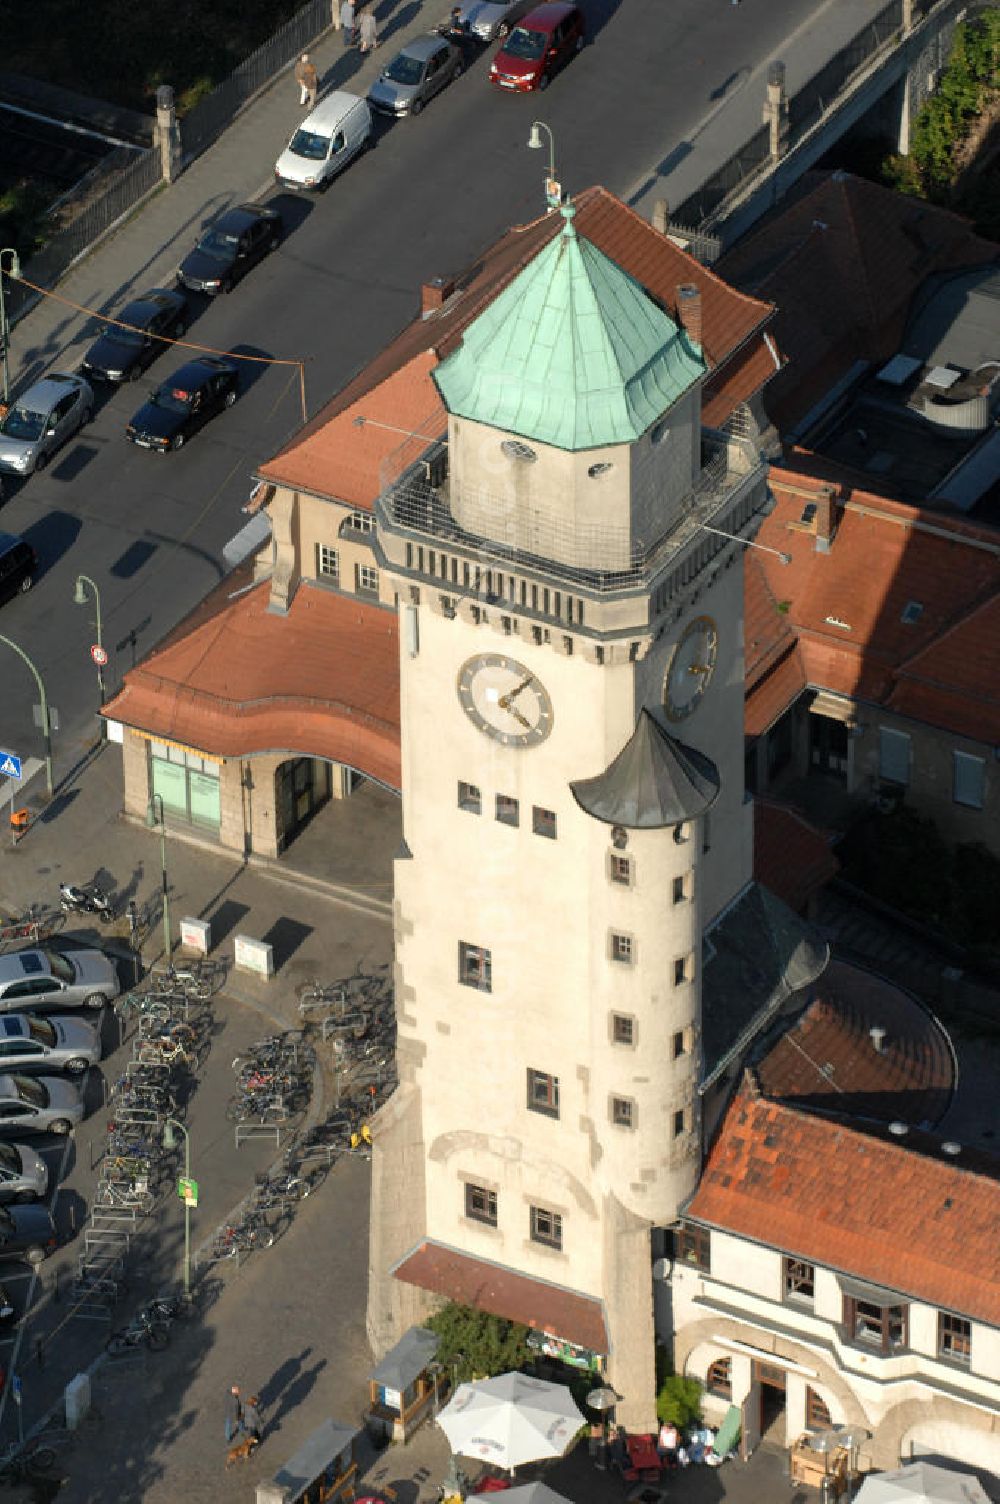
pixel 474 1344
pixel 679 1400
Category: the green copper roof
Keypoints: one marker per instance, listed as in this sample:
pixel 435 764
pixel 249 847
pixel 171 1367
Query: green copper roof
pixel 573 353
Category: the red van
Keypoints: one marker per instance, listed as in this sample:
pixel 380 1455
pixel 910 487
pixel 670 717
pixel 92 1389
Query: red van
pixel 538 47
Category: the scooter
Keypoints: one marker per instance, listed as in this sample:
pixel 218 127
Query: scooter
pixel 73 900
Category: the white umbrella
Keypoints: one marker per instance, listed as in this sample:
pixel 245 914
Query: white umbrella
pixel 510 1419
pixel 921 1483
pixel 529 1493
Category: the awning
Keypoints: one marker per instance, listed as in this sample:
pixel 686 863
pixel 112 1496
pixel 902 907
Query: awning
pixel 407 1360
pixel 834 708
pixel 503 1292
pixel 873 1295
pixel 150 736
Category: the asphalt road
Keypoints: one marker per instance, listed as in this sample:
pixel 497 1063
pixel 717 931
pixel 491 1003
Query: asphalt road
pixel 432 193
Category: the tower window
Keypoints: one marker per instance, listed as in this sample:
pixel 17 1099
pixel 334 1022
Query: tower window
pixel 679 889
pixel 622 1112
pixel 481 1204
pixel 475 967
pixel 679 1048
pixel 682 970
pixel 515 450
pixel 622 949
pixel 508 810
pixel 546 1227
pixel 620 869
pixel 622 1029
pixel 543 822
pixel 543 1093
pixel 470 798
pixel 678 1122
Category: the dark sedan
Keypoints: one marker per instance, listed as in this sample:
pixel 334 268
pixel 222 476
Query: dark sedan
pixel 120 354
pixel 183 404
pixel 236 241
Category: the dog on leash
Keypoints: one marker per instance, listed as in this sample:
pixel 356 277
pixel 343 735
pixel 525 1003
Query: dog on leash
pixel 240 1451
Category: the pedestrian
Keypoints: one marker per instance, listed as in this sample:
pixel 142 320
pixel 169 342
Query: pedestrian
pixel 347 22
pixel 251 1418
pixel 234 1412
pixel 368 30
pixel 307 79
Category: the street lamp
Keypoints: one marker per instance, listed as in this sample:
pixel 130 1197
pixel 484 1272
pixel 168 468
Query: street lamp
pixel 46 723
pixel 80 599
pixel 170 1142
pixel 15 271
pixel 152 818
pixel 553 191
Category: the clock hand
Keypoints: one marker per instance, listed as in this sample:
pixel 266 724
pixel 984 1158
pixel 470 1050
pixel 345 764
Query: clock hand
pixel 504 701
pixel 513 710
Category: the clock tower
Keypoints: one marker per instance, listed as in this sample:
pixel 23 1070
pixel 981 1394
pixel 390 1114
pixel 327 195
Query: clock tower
pixel 573 809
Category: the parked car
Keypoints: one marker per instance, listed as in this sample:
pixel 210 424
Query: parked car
pixel 44 978
pixel 418 72
pixel 41 420
pixel 122 354
pixel 18 562
pixel 488 19
pixel 184 404
pixel 64 1044
pixel 39 1104
pixel 325 142
pixel 538 47
pixel 230 247
pixel 24 1175
pixel 27 1232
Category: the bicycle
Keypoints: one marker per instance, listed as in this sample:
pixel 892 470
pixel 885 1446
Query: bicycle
pixel 243 1237
pixel 20 1463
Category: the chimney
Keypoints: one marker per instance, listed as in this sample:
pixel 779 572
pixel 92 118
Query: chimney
pixel 877 1035
pixel 661 216
pixel 689 310
pixel 825 518
pixel 435 293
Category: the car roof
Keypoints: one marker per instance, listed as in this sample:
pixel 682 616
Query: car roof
pixel 423 47
pixel 49 389
pixel 194 372
pixel 151 301
pixel 242 215
pixel 331 110
pixel 547 17
pixel 19 964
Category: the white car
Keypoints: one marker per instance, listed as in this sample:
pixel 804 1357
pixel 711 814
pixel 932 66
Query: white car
pixel 63 1044
pixel 45 978
pixel 41 420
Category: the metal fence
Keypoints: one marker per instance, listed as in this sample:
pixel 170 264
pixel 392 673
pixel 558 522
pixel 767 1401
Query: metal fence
pixel 815 97
pixel 209 118
pixel 742 165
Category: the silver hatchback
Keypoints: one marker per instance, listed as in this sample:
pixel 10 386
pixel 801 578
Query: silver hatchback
pixel 46 978
pixel 39 1104
pixel 62 1044
pixel 24 1175
pixel 41 420
pixel 418 72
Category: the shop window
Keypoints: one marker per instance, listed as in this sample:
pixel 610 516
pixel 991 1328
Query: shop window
pixel 543 1093
pixel 481 1204
pixel 954 1338
pixel 470 798
pixel 327 562
pixel 818 1417
pixel 475 967
pixel 508 810
pixel 187 783
pixel 622 1028
pixel 799 1280
pixel 719 1379
pixel 694 1246
pixel 546 1227
pixel 883 1328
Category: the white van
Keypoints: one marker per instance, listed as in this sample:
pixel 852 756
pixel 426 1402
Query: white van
pixel 325 142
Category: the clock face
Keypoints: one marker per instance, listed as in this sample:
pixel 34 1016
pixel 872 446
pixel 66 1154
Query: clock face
pixel 505 700
pixel 691 668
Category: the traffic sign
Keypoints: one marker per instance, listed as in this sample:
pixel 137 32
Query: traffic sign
pixel 99 655
pixel 10 765
pixel 187 1190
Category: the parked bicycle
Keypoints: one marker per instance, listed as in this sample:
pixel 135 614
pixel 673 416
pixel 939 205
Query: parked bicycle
pixel 19 1464
pixel 144 1331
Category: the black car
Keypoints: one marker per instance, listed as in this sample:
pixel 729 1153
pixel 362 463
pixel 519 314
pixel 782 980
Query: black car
pixel 228 249
pixel 121 354
pixel 18 562
pixel 27 1232
pixel 181 405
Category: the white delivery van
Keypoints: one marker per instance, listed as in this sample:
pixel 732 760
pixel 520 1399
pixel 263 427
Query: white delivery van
pixel 325 142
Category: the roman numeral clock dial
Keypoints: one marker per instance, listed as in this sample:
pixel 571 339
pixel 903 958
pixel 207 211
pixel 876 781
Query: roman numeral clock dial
pixel 505 700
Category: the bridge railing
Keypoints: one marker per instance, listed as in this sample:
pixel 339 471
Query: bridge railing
pixel 811 102
pixel 741 166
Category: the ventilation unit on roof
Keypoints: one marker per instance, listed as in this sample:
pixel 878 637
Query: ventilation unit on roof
pixel 942 377
pixel 877 1036
pixel 950 1148
pixel 898 370
pixel 898 1129
pixel 912 612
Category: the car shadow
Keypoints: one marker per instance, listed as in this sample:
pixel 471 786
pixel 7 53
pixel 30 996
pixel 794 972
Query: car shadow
pixel 294 208
pixel 252 365
pixel 51 537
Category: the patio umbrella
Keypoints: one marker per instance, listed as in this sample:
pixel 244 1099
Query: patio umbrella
pixel 528 1493
pixel 921 1483
pixel 510 1419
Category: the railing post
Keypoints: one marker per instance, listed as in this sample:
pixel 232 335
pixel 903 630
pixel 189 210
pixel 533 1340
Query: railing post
pixel 167 134
pixel 661 216
pixel 907 17
pixel 776 111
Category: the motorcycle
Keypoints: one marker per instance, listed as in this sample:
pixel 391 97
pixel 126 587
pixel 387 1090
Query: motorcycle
pixel 73 900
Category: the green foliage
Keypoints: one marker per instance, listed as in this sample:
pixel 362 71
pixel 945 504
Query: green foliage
pixel 22 210
pixel 679 1400
pixel 474 1344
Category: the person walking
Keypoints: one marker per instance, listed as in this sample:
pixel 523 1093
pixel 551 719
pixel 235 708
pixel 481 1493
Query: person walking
pixel 368 30
pixel 307 79
pixel 347 22
pixel 233 1412
pixel 251 1419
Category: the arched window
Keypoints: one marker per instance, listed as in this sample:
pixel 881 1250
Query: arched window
pixel 719 1379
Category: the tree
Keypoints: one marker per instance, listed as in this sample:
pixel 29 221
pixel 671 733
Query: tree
pixel 474 1344
pixel 679 1400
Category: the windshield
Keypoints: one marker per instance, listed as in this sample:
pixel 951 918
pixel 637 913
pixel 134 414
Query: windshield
pixel 41 1030
pixel 122 336
pixel 222 247
pixel 9 1158
pixel 21 423
pixel 32 1091
pixel 176 399
pixel 405 70
pixel 527 44
pixel 60 968
pixel 307 144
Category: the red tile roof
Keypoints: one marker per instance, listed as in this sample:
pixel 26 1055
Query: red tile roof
pixel 868 249
pixel 845 608
pixel 517 1297
pixel 732 326
pixel 827 1059
pixel 821 1191
pixel 790 856
pixel 233 679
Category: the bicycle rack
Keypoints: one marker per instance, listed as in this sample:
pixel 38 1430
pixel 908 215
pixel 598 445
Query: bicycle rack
pixel 251 1129
pixel 112 1214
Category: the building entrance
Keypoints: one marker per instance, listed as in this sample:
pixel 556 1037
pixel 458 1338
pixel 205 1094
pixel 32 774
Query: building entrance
pixel 771 1382
pixel 303 786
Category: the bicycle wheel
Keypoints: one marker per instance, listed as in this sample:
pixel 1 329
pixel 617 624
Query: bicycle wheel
pixel 40 1460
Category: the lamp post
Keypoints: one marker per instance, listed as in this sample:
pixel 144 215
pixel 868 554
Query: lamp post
pixel 553 192
pixel 80 599
pixel 46 724
pixel 153 819
pixel 169 1142
pixel 747 542
pixel 15 271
